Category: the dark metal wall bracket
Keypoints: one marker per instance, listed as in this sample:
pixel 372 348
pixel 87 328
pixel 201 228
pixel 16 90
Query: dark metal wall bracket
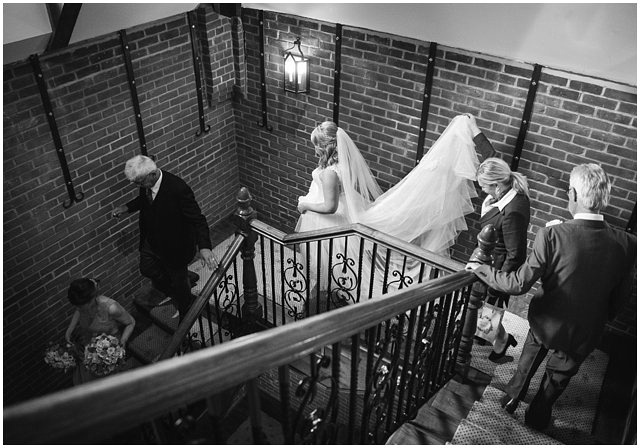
pixel 263 86
pixel 48 109
pixel 428 83
pixel 126 53
pixel 191 18
pixel 526 116
pixel 631 225
pixel 336 76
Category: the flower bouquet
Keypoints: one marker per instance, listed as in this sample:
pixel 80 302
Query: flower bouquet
pixel 60 356
pixel 103 355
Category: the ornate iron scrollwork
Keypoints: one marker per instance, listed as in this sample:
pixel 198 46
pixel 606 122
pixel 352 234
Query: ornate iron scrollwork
pixel 423 354
pixel 297 285
pixel 315 427
pixel 227 304
pixel 383 382
pixel 345 277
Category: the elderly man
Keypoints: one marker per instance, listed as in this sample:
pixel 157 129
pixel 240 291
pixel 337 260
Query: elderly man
pixel 172 229
pixel 586 271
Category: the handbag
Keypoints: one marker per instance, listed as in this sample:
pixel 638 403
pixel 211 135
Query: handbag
pixel 489 320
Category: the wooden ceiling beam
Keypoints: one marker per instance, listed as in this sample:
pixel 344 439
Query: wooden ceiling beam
pixel 62 22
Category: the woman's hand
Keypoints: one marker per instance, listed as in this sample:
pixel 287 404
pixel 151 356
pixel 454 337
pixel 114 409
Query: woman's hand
pixel 302 207
pixel 475 130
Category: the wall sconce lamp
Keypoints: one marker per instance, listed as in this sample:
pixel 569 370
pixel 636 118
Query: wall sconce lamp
pixel 296 70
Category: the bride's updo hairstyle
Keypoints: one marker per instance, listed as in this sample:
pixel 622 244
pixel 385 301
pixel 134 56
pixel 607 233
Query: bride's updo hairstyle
pixel 496 171
pixel 81 291
pixel 323 138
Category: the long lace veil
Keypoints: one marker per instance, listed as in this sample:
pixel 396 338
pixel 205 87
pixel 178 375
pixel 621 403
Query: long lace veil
pixel 360 187
pixel 427 207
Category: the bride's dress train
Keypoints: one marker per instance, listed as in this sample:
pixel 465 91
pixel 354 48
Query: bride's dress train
pixel 426 208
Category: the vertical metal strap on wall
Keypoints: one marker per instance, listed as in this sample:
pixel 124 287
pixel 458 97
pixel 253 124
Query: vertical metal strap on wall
pixel 336 75
pixel 426 99
pixel 195 53
pixel 631 225
pixel 263 122
pixel 126 53
pixel 526 116
pixel 48 109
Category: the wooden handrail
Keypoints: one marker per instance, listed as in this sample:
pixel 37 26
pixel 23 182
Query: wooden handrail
pixel 203 298
pixel 95 410
pixel 370 234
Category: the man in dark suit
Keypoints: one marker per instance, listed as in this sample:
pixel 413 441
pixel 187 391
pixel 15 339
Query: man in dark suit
pixel 586 271
pixel 173 230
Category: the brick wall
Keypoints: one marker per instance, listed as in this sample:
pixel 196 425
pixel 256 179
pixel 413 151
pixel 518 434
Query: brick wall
pixel 46 245
pixel 575 118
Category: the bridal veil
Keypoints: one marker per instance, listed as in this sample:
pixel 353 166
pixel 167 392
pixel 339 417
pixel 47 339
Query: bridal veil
pixel 428 206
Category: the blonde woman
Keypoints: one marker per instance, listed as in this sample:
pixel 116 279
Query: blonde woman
pixel 506 206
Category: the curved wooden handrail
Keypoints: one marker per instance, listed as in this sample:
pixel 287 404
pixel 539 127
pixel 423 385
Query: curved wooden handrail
pixel 93 411
pixel 203 298
pixel 367 232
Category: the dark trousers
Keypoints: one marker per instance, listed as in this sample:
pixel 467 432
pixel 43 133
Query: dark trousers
pixel 560 367
pixel 172 281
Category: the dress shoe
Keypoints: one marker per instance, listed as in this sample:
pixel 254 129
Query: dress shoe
pixel 509 404
pixel 479 341
pixel 511 341
pixel 538 423
pixel 193 278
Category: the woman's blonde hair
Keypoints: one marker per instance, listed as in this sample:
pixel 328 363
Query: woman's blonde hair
pixel 323 138
pixel 496 171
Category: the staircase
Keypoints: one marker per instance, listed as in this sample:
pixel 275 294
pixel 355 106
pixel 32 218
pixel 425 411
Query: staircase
pixel 468 412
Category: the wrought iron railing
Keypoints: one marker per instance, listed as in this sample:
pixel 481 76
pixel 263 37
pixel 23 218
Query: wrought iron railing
pixel 353 395
pixel 306 273
pixel 352 375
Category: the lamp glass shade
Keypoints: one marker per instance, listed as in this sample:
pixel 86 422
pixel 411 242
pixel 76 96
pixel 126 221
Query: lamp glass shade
pixel 296 73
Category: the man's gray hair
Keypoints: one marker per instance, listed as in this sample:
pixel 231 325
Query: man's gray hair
pixel 138 167
pixel 592 186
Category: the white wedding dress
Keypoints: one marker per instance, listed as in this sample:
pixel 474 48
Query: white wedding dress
pixel 426 208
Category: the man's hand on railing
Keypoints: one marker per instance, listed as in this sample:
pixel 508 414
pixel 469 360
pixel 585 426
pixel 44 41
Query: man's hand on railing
pixel 472 266
pixel 206 256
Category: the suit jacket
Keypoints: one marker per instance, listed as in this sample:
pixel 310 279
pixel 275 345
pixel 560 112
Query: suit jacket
pixel 511 225
pixel 586 269
pixel 484 148
pixel 172 224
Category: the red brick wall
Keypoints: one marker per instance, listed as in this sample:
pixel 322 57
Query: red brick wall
pixel 46 245
pixel 575 118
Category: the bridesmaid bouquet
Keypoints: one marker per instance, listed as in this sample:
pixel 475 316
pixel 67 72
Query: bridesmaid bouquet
pixel 103 355
pixel 60 356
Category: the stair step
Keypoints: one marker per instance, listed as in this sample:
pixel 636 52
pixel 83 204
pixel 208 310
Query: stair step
pixel 412 434
pixel 451 402
pixel 508 428
pixel 164 315
pixel 468 433
pixel 149 344
pixel 436 422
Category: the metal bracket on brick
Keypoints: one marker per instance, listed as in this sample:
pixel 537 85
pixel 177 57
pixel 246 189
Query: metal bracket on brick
pixel 263 122
pixel 126 53
pixel 197 67
pixel 631 225
pixel 48 109
pixel 426 99
pixel 526 116
pixel 336 75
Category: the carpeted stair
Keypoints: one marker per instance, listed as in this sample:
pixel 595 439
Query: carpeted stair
pixel 573 413
pixel 473 407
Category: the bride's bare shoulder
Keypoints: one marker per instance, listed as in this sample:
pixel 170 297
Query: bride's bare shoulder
pixel 329 174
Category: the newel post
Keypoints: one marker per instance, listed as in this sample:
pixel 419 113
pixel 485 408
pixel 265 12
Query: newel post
pixel 245 213
pixel 487 240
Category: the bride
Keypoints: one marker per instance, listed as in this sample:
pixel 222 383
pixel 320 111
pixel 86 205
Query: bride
pixel 426 208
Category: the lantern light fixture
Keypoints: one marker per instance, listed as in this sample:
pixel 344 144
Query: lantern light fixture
pixel 296 70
